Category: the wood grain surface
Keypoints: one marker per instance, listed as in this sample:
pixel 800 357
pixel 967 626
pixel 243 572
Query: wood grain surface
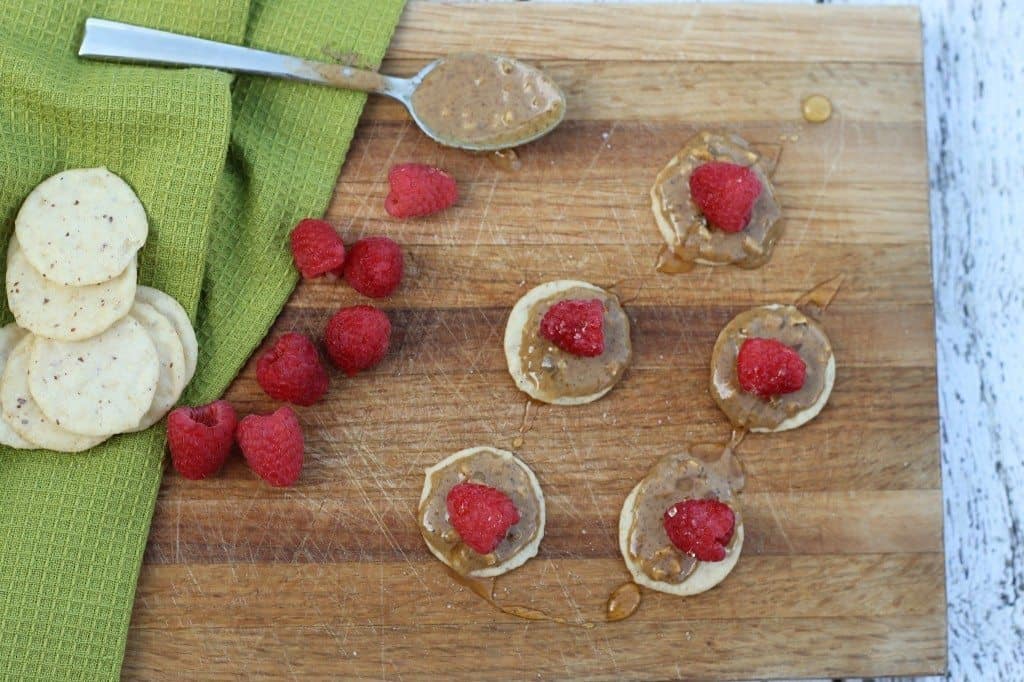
pixel 842 570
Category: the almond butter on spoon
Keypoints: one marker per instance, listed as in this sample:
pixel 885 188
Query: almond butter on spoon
pixel 471 100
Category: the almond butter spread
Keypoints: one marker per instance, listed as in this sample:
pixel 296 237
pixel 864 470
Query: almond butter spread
pixel 487 468
pixel 487 101
pixel 558 374
pixel 789 326
pixel 673 479
pixel 685 230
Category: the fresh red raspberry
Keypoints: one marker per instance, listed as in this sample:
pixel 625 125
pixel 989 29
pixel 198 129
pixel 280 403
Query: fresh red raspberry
pixel 702 528
pixel 576 326
pixel 725 194
pixel 481 515
pixel 418 189
pixel 767 367
pixel 317 248
pixel 357 338
pixel 273 446
pixel 200 438
pixel 291 371
pixel 374 266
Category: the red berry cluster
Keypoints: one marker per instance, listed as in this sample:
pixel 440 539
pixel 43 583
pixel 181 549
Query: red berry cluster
pixel 200 440
pixel 356 338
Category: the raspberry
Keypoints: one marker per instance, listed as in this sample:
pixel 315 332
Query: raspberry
pixel 357 338
pixel 273 446
pixel 725 194
pixel 317 248
pixel 766 367
pixel 575 326
pixel 481 515
pixel 702 528
pixel 200 438
pixel 374 266
pixel 291 370
pixel 418 189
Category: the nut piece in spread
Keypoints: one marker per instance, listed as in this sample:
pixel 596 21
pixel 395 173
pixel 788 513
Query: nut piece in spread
pixel 660 547
pixel 567 342
pixel 788 391
pixel 481 475
pixel 689 236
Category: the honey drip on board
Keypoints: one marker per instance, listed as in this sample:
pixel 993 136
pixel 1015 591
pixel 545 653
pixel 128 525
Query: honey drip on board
pixel 818 299
pixel 526 425
pixel 505 159
pixel 486 592
pixel 816 109
pixel 671 264
pixel 622 602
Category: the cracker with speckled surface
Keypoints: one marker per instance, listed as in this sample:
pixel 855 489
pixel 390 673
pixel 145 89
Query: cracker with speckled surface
pixel 173 377
pixel 169 307
pixel 81 226
pixel 97 386
pixel 56 311
pixel 9 338
pixel 21 411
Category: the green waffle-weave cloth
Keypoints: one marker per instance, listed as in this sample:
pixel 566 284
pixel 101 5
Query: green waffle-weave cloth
pixel 225 166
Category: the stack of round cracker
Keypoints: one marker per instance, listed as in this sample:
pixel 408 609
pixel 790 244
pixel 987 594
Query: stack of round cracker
pixel 91 354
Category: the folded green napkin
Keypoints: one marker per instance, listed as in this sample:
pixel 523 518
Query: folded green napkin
pixel 224 168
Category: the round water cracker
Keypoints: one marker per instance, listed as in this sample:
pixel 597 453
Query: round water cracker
pixel 9 338
pixel 59 312
pixel 523 555
pixel 167 306
pixel 81 226
pixel 517 320
pixel 97 386
pixel 22 412
pixel 720 387
pixel 706 575
pixel 172 377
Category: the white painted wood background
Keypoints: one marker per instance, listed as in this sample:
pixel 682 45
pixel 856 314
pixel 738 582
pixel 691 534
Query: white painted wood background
pixel 974 81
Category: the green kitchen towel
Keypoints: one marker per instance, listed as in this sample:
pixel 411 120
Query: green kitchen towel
pixel 224 167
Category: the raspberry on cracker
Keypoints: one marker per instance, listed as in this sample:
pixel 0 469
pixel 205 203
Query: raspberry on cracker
pixel 482 515
pixel 681 527
pixel 481 512
pixel 768 367
pixel 714 204
pixel 702 528
pixel 291 370
pixel 357 338
pixel 419 190
pixel 200 438
pixel 772 369
pixel 317 248
pixel 567 342
pixel 576 326
pixel 725 193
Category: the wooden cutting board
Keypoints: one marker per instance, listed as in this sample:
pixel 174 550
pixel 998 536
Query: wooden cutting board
pixel 842 570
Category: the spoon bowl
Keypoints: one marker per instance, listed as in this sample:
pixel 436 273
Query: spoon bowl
pixel 484 102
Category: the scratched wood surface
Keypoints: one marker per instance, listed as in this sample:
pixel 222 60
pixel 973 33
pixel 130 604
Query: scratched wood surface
pixel 842 570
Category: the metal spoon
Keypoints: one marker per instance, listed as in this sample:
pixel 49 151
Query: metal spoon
pixel 472 101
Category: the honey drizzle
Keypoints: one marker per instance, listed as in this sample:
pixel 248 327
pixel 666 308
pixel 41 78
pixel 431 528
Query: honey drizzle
pixel 818 299
pixel 481 589
pixel 622 602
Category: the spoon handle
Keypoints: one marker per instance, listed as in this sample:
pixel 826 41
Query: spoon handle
pixel 113 40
